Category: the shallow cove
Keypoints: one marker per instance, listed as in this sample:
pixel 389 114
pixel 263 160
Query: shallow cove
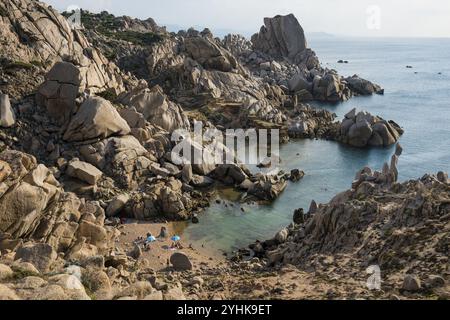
pixel 420 103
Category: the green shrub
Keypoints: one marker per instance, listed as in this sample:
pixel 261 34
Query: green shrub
pixel 19 65
pixel 108 94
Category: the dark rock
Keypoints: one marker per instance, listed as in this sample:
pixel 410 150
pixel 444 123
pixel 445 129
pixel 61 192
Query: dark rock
pixel 180 261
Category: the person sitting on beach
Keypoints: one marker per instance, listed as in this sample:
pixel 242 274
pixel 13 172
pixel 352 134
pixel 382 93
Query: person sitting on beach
pixel 176 245
pixel 163 234
pixel 150 238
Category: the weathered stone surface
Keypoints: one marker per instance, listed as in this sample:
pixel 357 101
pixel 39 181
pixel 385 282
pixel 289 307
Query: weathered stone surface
pixel 59 91
pixel 7 294
pixel 84 171
pixel 282 235
pixel 201 181
pixel 94 233
pixel 156 107
pixel 362 86
pixel 175 293
pixel 210 55
pixel 98 282
pixel 117 204
pixel 362 129
pixel 123 158
pixel 230 174
pixel 24 267
pixel 96 119
pixel 40 255
pixel 139 289
pixel 36 207
pixel 5 272
pixel 268 188
pixel 281 36
pixel 329 87
pixel 155 295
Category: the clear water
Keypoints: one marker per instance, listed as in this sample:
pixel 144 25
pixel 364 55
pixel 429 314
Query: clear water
pixel 419 102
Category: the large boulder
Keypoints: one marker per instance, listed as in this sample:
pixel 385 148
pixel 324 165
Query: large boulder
pixel 117 204
pixel 28 189
pixel 299 83
pixel 123 158
pixel 59 91
pixel 230 174
pixel 34 206
pixel 40 255
pixel 209 54
pixel 5 272
pixel 154 105
pixel 180 261
pixel 7 293
pixel 83 171
pixel 37 36
pixel 362 86
pixel 267 187
pixel 281 37
pixel 363 129
pixel 329 87
pixel 96 119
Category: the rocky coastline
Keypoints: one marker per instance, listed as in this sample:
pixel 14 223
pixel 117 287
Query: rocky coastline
pixel 86 117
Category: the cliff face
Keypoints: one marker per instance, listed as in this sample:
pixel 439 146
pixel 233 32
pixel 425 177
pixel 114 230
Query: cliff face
pixel 34 37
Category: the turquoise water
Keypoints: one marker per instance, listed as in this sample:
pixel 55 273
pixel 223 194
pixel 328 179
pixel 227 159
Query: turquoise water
pixel 419 102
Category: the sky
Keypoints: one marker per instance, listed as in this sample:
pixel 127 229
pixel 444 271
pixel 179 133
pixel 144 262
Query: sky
pixel 385 18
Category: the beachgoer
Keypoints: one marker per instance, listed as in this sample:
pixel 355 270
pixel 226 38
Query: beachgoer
pixel 163 234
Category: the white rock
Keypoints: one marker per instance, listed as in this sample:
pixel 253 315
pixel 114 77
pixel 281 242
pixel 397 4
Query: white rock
pixel 7 118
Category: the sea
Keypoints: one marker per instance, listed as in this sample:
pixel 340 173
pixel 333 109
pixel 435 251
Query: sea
pixel 417 98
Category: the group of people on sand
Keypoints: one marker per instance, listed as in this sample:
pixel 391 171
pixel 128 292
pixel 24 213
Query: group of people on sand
pixel 163 235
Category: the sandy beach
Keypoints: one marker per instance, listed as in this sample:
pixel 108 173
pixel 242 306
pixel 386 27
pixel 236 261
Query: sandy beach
pixel 160 251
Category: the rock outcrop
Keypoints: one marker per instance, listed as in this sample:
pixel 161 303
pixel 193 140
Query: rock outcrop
pixel 84 145
pixel 59 91
pixel 156 108
pixel 363 86
pixel 83 171
pixel 281 37
pixel 210 55
pixel 41 37
pixel 95 119
pixel 374 223
pixel 34 206
pixel 363 129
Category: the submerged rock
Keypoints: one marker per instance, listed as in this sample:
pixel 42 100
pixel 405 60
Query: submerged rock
pixel 267 188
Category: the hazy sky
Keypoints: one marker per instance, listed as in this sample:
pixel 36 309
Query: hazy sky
pixel 419 18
